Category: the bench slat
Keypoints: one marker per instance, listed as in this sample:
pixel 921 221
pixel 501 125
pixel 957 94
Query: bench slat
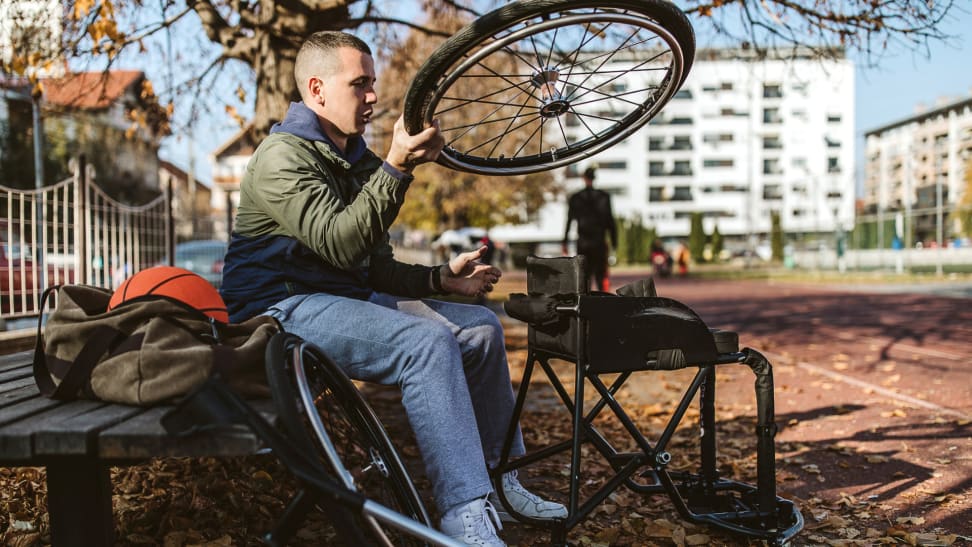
pixel 13 396
pixel 143 436
pixel 13 360
pixel 77 435
pixel 24 410
pixel 16 438
pixel 16 373
pixel 20 383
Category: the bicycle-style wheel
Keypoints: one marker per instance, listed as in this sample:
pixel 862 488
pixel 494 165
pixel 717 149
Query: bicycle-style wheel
pixel 540 84
pixel 321 410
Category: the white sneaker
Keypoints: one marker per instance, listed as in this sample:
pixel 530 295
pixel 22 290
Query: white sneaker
pixel 474 524
pixel 524 502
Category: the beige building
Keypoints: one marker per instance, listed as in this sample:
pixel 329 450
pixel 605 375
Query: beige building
pixel 916 166
pixel 228 164
pixel 191 203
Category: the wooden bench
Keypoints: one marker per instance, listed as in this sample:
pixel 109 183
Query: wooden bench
pixel 78 441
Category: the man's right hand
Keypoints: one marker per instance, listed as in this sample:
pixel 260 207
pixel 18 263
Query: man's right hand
pixel 408 151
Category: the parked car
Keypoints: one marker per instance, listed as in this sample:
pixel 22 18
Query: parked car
pixel 20 284
pixel 204 257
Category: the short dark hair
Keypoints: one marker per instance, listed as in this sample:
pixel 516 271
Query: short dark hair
pixel 589 173
pixel 317 53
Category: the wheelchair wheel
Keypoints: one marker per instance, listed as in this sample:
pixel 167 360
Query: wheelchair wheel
pixel 536 85
pixel 322 411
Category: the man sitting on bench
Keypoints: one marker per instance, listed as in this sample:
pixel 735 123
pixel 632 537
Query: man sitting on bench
pixel 311 249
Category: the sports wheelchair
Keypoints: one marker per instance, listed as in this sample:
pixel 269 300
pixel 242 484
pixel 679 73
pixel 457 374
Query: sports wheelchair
pixel 633 331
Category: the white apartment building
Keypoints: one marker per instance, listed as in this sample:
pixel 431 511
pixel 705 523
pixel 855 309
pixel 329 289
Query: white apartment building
pixel 742 138
pixel 916 166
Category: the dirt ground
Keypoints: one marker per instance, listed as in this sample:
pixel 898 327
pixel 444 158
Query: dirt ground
pixel 872 399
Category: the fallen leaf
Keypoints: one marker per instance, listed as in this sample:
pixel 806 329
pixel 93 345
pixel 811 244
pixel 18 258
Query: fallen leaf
pixel 910 520
pixel 697 539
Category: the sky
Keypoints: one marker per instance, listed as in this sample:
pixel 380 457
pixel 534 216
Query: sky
pixel 884 93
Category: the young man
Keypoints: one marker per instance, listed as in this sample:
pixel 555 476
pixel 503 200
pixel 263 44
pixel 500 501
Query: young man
pixel 591 209
pixel 311 249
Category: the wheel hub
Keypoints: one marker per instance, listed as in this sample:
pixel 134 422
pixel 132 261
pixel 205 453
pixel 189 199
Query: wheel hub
pixel 552 103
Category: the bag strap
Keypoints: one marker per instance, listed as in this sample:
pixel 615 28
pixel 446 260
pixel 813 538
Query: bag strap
pixel 79 372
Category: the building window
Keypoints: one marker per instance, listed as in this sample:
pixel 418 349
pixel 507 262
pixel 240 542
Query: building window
pixel 771 166
pixel 656 193
pixel 713 138
pixel 734 188
pixel 682 168
pixel 832 143
pixel 772 142
pixel 833 165
pixel 617 164
pixel 682 193
pixel 715 163
pixel 683 94
pixel 682 143
pixel 656 168
pixel 833 118
pixel 772 115
pixel 772 192
pixel 726 86
pixel 772 91
pixel 655 143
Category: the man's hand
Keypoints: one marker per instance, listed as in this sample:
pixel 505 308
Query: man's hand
pixel 408 151
pixel 467 276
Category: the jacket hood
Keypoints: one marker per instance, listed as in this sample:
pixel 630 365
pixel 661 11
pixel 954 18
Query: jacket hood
pixel 301 121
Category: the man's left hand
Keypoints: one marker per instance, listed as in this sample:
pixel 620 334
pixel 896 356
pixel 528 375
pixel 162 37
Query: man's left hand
pixel 467 276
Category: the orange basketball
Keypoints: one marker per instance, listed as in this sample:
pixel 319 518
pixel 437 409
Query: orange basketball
pixel 176 283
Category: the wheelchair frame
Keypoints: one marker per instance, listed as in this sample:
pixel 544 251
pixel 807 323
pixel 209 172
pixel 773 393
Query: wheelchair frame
pixel 598 343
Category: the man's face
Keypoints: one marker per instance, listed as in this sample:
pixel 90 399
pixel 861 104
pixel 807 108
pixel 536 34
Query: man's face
pixel 348 95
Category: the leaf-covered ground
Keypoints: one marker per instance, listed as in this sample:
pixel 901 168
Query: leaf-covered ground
pixel 864 469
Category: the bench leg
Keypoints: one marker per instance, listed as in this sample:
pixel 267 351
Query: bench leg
pixel 79 503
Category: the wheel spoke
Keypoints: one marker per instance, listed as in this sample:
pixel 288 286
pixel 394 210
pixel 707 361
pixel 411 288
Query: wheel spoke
pixel 509 126
pixel 608 81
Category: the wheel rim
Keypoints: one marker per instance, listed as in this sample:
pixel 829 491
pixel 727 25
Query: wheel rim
pixel 348 445
pixel 543 114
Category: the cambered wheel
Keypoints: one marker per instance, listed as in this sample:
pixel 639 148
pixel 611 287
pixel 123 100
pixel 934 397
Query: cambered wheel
pixel 322 411
pixel 536 85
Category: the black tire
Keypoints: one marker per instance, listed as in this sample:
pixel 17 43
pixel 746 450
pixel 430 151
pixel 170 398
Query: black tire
pixel 366 460
pixel 445 66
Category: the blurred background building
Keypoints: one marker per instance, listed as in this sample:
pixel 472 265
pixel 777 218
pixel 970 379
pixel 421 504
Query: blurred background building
pixel 917 167
pixel 745 136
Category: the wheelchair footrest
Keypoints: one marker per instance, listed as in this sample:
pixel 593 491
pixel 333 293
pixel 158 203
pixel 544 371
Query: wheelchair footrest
pixel 733 506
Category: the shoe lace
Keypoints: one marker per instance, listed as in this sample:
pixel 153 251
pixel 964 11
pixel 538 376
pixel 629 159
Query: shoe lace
pixel 511 482
pixel 487 526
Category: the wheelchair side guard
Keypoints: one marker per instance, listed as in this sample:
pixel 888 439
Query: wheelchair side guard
pixel 627 333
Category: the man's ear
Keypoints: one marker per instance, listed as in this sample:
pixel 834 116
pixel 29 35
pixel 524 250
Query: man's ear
pixel 315 87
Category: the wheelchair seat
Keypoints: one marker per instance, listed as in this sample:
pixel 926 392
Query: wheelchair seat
pixel 638 331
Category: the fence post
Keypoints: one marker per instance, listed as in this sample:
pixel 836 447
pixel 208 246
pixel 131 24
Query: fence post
pixel 81 221
pixel 169 224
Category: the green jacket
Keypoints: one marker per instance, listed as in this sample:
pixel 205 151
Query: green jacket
pixel 297 190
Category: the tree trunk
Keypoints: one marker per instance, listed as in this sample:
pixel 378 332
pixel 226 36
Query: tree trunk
pixel 276 87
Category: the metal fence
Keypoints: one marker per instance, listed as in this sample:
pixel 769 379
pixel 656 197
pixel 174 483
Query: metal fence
pixel 73 232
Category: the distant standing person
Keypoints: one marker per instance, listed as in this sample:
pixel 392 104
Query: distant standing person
pixel 591 209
